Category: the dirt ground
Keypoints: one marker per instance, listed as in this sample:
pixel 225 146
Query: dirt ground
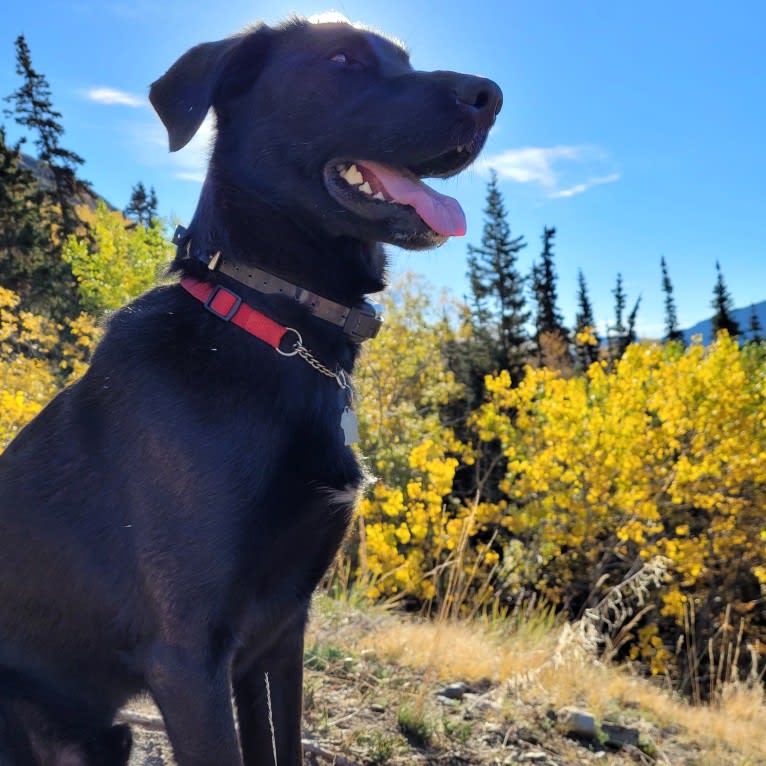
pixel 366 708
pixel 350 722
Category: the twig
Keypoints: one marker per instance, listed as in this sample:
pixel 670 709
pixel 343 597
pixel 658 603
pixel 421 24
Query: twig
pixel 271 718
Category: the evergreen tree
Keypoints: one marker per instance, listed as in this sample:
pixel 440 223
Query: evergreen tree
pixel 755 327
pixel 30 261
pixel 672 333
pixel 587 341
pixel 34 110
pixel 142 207
pixel 618 332
pixel 620 335
pixel 723 305
pixel 497 287
pixel 23 234
pixel 632 338
pixel 549 322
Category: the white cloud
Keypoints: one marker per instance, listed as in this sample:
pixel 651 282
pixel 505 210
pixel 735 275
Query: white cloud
pixel 187 164
pixel 197 177
pixel 111 96
pixel 556 170
pixel 580 188
pixel 531 164
pixel 192 160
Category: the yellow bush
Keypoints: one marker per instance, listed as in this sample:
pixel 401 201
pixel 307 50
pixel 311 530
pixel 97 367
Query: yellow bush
pixel 664 456
pixel 118 259
pixel 36 358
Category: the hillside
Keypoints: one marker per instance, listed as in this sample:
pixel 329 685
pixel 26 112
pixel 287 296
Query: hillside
pixel 387 689
pixel 44 178
pixel 741 315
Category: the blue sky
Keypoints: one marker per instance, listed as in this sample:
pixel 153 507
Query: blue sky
pixel 636 129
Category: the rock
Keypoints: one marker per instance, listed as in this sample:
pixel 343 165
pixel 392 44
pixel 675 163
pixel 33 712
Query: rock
pixel 480 703
pixel 454 691
pixel 377 708
pixel 577 722
pixel 447 700
pixel 619 736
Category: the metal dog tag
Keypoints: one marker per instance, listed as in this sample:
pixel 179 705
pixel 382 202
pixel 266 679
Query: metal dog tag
pixel 350 426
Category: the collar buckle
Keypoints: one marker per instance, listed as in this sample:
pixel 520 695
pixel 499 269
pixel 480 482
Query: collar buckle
pixel 227 307
pixel 363 321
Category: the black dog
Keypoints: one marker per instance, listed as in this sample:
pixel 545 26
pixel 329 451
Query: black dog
pixel 164 521
pixel 40 725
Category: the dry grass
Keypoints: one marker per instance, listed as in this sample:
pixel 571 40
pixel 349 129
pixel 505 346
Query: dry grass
pixel 459 650
pixel 539 662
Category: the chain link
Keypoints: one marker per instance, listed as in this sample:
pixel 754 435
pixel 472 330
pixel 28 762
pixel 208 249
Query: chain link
pixel 309 358
pixel 338 375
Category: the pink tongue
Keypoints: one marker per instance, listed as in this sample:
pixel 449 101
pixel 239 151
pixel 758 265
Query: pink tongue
pixel 443 214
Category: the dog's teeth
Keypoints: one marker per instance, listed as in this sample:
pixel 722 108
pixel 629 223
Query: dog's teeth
pixel 366 188
pixel 340 168
pixel 353 176
pixel 379 195
pixel 460 148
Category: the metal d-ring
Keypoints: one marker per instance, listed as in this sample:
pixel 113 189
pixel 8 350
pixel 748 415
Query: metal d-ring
pixel 298 343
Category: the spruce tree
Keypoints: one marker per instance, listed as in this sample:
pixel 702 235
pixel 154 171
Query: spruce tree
pixel 585 326
pixel 549 322
pixel 755 327
pixel 620 334
pixel 632 337
pixel 672 333
pixel 34 110
pixel 142 207
pixel 723 305
pixel 498 305
pixel 30 260
pixel 23 233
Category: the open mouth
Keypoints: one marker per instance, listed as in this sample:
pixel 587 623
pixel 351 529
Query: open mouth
pixel 377 191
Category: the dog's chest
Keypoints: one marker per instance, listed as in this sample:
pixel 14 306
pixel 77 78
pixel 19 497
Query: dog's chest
pixel 284 566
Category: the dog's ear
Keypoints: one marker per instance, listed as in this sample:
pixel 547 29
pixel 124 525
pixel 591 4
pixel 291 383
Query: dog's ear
pixel 183 95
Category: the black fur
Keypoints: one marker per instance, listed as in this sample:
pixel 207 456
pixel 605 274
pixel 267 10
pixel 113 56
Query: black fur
pixel 43 726
pixel 165 520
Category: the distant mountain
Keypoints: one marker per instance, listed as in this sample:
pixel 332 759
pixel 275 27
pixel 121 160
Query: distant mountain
pixel 44 178
pixel 741 316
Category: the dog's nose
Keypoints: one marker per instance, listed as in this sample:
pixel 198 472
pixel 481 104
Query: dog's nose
pixel 481 94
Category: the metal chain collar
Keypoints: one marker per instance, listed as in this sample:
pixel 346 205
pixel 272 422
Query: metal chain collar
pixel 339 375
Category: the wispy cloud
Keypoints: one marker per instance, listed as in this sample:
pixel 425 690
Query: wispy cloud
pixel 186 175
pixel 555 170
pixel 191 161
pixel 111 96
pixel 187 164
pixel 581 187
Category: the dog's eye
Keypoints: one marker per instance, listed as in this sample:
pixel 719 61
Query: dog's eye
pixel 341 58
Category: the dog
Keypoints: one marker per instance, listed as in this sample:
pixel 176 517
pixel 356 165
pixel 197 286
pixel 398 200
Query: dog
pixel 165 520
pixel 40 725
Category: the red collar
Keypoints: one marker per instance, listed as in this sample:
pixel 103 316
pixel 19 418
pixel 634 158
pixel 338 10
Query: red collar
pixel 227 305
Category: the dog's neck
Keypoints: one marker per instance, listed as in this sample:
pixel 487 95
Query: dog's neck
pixel 253 232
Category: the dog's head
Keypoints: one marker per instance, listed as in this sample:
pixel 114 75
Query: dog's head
pixel 329 124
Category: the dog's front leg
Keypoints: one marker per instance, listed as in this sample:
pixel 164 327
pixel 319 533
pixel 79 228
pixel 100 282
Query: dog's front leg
pixel 269 696
pixel 194 696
